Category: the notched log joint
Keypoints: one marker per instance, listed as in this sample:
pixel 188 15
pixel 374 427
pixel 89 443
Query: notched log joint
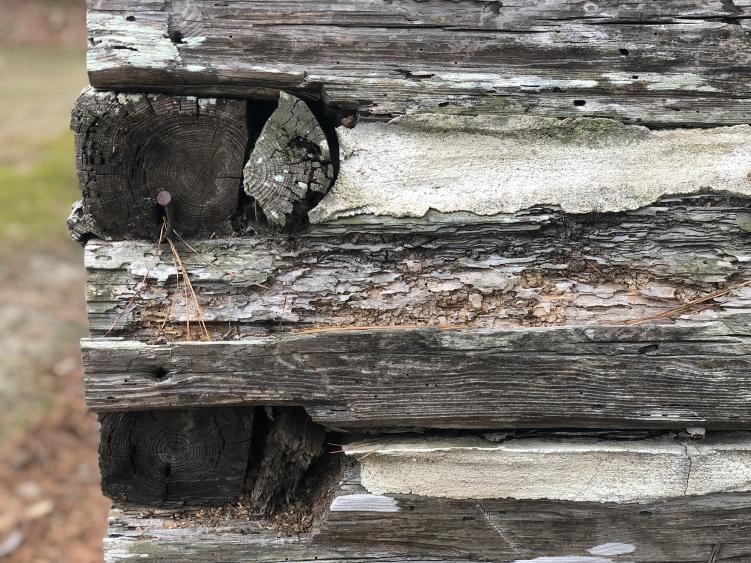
pixel 131 147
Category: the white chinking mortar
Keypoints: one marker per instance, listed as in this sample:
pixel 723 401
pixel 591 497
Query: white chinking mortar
pixel 489 165
pixel 577 470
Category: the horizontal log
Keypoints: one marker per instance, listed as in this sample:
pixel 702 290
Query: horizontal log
pixel 635 376
pixel 536 267
pixel 360 526
pixel 670 63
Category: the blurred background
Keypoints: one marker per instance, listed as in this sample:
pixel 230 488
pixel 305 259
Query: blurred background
pixel 50 505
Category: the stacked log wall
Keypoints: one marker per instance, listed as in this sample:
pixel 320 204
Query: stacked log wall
pixel 446 281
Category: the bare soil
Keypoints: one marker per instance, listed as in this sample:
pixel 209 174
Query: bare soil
pixel 51 507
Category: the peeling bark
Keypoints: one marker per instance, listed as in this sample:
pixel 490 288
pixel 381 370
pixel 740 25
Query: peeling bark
pixel 539 267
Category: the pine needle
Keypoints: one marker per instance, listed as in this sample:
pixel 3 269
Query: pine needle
pixel 142 285
pixel 190 294
pixel 204 262
pixel 686 307
pixel 318 329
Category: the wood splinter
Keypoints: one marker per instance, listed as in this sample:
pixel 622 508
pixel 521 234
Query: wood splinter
pixel 290 168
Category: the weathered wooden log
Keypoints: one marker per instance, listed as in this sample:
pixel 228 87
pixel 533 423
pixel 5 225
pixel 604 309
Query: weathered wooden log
pixel 177 458
pixel 666 63
pixel 290 168
pixel 395 526
pixel 644 376
pixel 536 267
pixel 130 147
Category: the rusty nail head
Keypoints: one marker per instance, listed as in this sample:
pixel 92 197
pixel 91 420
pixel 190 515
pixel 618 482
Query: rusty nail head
pixel 164 198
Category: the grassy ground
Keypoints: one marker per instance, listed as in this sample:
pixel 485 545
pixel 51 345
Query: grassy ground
pixel 37 192
pixel 51 508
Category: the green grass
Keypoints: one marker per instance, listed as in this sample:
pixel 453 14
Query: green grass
pixel 37 193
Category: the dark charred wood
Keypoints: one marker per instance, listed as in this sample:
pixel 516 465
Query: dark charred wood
pixel 292 444
pixel 187 457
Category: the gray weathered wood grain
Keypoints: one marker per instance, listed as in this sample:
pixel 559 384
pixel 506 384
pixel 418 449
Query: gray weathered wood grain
pixel 667 63
pixel 537 267
pixel 290 168
pixel 643 376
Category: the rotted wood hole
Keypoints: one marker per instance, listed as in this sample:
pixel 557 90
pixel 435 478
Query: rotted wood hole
pixel 209 456
pixel 132 147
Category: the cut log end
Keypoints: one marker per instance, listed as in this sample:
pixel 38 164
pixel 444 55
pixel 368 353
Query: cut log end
pixel 175 458
pixel 290 168
pixel 208 456
pixel 131 147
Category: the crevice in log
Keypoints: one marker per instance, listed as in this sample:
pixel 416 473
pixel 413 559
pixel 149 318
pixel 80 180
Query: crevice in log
pixel 308 507
pixel 291 446
pixel 348 54
pixel 538 267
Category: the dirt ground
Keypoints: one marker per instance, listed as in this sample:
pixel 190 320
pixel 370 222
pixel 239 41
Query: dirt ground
pixel 51 508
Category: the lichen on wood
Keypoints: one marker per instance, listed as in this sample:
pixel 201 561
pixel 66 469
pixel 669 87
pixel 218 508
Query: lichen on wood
pixel 537 267
pixel 668 63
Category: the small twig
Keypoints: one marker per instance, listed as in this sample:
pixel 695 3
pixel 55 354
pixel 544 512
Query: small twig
pixel 715 554
pixel 209 264
pixel 188 286
pixel 229 331
pixel 284 310
pixel 317 329
pixel 164 320
pixel 371 452
pixel 187 300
